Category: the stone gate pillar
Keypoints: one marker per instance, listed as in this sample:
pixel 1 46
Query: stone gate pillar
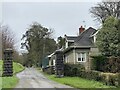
pixel 59 66
pixel 8 63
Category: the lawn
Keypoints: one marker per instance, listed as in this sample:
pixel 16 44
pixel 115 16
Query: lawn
pixel 10 82
pixel 78 82
pixel 17 68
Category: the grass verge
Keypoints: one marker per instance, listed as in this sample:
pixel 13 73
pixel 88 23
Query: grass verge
pixel 17 68
pixel 78 82
pixel 10 82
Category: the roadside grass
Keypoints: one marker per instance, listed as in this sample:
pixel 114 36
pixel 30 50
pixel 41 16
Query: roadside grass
pixel 78 82
pixel 17 67
pixel 10 82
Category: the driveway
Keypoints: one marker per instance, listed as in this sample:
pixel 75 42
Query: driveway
pixel 31 78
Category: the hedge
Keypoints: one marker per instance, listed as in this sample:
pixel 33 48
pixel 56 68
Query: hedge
pixel 91 75
pixel 110 78
pixel 79 71
pixel 113 65
pixel 49 70
pixel 72 69
pixel 106 64
pixel 98 63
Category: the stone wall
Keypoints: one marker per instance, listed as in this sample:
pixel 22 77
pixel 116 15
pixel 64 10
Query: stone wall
pixel 71 57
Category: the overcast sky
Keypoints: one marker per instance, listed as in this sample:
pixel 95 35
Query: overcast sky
pixel 63 17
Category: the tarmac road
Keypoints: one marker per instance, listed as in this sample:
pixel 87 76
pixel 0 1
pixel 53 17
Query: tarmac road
pixel 31 78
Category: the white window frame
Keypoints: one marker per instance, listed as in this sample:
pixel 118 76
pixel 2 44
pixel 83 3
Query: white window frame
pixel 53 62
pixel 81 56
pixel 66 59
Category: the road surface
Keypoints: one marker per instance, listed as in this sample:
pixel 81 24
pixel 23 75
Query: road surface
pixel 32 78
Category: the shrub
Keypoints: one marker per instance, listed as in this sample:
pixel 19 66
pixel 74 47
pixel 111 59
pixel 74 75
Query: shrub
pixel 98 62
pixel 110 78
pixel 119 79
pixel 79 70
pixel 104 64
pixel 113 65
pixel 91 75
pixel 72 69
pixel 49 70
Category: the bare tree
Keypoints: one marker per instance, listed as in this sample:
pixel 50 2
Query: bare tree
pixel 105 9
pixel 7 38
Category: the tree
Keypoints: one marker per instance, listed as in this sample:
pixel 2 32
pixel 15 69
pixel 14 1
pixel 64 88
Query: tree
pixel 7 39
pixel 105 9
pixel 118 27
pixel 38 43
pixel 61 42
pixel 108 38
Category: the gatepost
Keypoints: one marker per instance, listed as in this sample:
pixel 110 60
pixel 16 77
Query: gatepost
pixel 8 62
pixel 59 65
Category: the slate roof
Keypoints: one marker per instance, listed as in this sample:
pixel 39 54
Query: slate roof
pixel 71 37
pixel 84 39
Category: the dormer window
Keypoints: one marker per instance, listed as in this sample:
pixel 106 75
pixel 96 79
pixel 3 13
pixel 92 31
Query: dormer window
pixel 69 40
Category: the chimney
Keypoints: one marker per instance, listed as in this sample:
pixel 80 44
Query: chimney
pixel 81 29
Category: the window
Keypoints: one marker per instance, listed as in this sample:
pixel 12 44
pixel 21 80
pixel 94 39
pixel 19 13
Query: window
pixel 81 57
pixel 53 62
pixel 66 58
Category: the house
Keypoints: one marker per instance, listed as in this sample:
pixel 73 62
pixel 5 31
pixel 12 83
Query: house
pixel 78 49
pixel 48 61
pixel 51 59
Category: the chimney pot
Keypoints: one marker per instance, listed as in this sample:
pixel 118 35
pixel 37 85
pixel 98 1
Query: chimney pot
pixel 81 29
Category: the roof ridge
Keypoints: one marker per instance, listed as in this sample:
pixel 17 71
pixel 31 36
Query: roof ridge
pixel 85 31
pixel 83 34
pixel 71 36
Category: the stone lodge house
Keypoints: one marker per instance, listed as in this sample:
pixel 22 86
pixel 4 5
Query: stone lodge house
pixel 78 49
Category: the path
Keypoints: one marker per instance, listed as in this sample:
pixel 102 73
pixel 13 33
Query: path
pixel 31 78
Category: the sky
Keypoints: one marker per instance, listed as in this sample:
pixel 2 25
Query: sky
pixel 63 17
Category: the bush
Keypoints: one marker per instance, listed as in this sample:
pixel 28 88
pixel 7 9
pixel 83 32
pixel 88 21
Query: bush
pixel 119 79
pixel 113 65
pixel 79 70
pixel 72 69
pixel 91 75
pixel 104 64
pixel 49 70
pixel 98 62
pixel 110 78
